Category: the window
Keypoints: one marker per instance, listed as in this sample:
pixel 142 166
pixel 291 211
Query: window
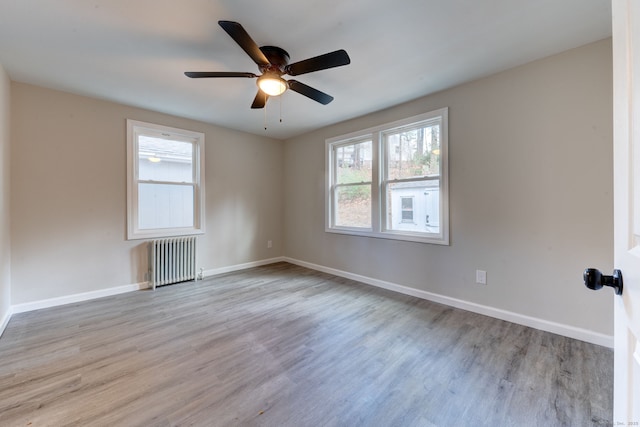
pixel 165 181
pixel 407 209
pixel 391 181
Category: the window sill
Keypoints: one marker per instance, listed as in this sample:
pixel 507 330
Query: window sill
pixel 160 234
pixel 433 239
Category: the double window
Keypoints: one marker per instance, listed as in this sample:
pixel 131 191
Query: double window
pixel 391 181
pixel 165 181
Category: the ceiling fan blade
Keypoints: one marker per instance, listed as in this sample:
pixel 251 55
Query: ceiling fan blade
pixel 310 92
pixel 260 100
pixel 205 74
pixel 238 33
pixel 317 63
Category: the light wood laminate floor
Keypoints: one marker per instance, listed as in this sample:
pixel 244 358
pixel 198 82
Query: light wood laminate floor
pixel 282 345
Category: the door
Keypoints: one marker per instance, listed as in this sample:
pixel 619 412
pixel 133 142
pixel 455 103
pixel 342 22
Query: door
pixel 626 159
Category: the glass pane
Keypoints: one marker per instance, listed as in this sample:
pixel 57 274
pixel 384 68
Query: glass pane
pixel 353 163
pixel 407 203
pixel 414 206
pixel 413 153
pixel 407 216
pixel 353 206
pixel 165 206
pixel 164 160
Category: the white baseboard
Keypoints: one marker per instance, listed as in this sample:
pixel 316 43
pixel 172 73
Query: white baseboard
pixel 541 324
pixel 533 322
pixel 237 267
pixel 84 296
pixel 5 320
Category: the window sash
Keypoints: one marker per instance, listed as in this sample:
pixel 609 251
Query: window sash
pixel 335 196
pixel 387 228
pixel 169 211
pixel 164 156
pixel 386 142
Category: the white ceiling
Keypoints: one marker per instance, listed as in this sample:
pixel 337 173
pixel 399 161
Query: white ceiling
pixel 135 51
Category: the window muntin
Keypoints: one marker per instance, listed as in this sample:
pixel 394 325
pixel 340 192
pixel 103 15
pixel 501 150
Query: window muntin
pixel 165 181
pixel 408 186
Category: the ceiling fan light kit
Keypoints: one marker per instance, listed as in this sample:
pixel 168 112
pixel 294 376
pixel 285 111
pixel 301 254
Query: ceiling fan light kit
pixel 272 85
pixel 273 63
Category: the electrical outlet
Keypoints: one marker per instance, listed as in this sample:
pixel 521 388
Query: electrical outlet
pixel 269 244
pixel 481 277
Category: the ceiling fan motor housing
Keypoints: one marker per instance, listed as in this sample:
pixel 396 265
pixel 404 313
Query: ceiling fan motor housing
pixel 278 60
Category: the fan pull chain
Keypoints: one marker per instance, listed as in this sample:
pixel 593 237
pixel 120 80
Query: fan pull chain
pixel 264 109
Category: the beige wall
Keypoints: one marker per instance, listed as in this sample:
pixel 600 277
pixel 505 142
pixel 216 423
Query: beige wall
pixel 68 195
pixel 530 187
pixel 5 192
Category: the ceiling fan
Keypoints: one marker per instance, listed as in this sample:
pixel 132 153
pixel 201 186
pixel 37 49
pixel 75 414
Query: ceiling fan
pixel 273 63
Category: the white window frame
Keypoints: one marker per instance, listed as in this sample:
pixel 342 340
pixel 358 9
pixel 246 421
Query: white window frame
pixel 333 190
pixel 378 202
pixel 134 130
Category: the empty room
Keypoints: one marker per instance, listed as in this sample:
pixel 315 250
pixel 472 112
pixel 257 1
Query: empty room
pixel 361 213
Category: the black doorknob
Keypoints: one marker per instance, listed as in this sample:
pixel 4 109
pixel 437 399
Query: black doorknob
pixel 593 279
